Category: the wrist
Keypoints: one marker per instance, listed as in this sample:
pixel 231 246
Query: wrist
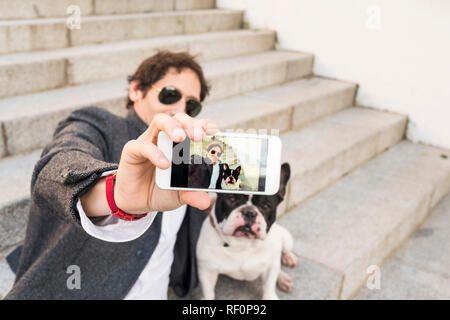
pixel 115 210
pixel 94 202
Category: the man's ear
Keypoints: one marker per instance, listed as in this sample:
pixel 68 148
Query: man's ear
pixel 285 174
pixel 133 92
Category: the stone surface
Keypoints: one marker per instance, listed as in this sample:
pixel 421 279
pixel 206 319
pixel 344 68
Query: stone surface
pixel 6 275
pixel 125 57
pixel 132 6
pixel 53 33
pixel 135 6
pixel 212 20
pixel 419 269
pixel 15 197
pixel 312 281
pixel 26 9
pixel 272 108
pixel 229 77
pixel 18 79
pixel 319 97
pixel 331 147
pixel 57 68
pixel 29 35
pixel 25 115
pixel 359 220
pixel 194 4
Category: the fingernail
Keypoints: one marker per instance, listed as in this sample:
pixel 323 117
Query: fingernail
pixel 198 133
pixel 211 127
pixel 163 161
pixel 178 133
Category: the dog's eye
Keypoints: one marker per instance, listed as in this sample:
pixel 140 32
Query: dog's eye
pixel 232 198
pixel 266 206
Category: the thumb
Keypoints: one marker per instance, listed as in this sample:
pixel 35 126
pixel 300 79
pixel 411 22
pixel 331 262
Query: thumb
pixel 197 199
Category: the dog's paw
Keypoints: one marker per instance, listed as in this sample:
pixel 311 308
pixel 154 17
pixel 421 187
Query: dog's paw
pixel 289 259
pixel 284 282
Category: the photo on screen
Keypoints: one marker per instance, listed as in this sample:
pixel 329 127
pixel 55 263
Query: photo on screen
pixel 221 163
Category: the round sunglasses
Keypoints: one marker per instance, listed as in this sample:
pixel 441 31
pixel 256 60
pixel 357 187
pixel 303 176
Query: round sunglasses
pixel 171 95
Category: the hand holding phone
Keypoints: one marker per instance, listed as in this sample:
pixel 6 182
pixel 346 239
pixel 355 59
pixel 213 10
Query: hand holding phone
pixel 135 188
pixel 224 162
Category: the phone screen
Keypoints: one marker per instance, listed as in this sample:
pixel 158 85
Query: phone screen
pixel 220 162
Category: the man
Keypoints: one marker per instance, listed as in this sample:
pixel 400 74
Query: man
pixel 213 152
pixel 70 222
pixel 204 172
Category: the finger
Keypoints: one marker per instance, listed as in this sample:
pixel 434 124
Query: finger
pixel 209 126
pixel 163 122
pixel 140 151
pixel 196 199
pixel 192 126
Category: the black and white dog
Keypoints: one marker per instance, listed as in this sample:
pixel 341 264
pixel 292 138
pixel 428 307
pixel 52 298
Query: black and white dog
pixel 241 240
pixel 230 180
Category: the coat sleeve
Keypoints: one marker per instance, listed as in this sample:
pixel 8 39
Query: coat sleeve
pixel 73 162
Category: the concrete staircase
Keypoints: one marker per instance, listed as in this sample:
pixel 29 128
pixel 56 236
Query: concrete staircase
pixel 357 189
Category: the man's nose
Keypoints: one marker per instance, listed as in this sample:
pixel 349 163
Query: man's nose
pixel 180 106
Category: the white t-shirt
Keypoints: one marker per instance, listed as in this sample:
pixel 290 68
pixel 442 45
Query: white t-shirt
pixel 214 176
pixel 153 281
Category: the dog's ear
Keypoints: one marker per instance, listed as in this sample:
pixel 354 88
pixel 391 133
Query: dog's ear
pixel 285 174
pixel 238 170
pixel 225 167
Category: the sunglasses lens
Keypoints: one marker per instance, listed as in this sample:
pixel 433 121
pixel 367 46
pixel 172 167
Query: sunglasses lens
pixel 213 152
pixel 169 95
pixel 193 107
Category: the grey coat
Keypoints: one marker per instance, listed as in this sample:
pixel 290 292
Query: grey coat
pixel 87 143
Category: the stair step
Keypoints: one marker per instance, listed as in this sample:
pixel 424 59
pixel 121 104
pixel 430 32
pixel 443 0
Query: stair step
pixel 419 269
pixel 289 106
pixel 362 218
pixel 48 70
pixel 15 196
pixel 23 116
pixel 52 33
pixel 135 6
pixel 7 276
pixel 28 9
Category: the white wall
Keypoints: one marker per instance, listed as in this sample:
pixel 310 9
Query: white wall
pixel 397 50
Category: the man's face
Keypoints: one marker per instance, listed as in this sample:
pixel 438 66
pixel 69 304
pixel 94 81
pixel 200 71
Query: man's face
pixel 147 107
pixel 213 154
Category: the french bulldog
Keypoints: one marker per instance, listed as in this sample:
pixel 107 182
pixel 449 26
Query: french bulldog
pixel 230 179
pixel 241 240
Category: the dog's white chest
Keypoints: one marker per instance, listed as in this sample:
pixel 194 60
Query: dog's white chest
pixel 241 261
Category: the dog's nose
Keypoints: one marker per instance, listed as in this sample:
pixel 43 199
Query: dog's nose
pixel 249 215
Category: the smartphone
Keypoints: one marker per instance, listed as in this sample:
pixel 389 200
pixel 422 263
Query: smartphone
pixel 224 162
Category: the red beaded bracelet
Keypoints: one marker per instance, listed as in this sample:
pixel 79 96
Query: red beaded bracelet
pixel 112 205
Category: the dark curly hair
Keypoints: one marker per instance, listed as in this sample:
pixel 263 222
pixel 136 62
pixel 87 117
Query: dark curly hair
pixel 215 145
pixel 155 68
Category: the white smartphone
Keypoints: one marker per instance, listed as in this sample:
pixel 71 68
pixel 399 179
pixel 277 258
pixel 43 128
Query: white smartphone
pixel 224 162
